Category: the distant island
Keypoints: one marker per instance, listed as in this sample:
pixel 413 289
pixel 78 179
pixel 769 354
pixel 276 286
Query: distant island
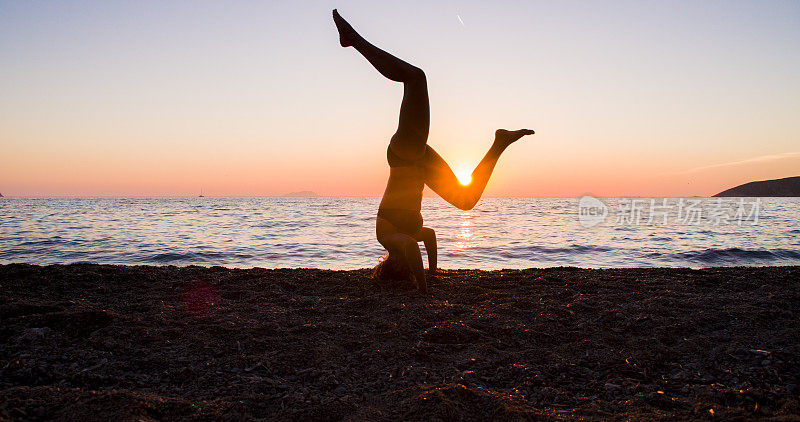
pixel 302 193
pixel 788 186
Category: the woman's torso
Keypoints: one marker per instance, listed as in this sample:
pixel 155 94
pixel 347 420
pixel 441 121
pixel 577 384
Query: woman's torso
pixel 405 184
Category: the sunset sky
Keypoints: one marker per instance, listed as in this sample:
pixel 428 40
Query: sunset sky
pixel 163 98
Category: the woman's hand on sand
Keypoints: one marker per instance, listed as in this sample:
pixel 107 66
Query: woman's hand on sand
pixel 505 138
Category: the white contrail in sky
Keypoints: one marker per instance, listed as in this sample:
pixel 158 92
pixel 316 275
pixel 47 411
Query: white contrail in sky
pixel 460 20
pixel 747 161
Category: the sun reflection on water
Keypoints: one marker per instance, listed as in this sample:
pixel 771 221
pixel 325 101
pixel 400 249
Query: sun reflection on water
pixel 464 235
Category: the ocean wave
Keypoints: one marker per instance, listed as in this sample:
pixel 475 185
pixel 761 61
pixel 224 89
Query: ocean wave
pixel 744 256
pixel 171 257
pixel 538 251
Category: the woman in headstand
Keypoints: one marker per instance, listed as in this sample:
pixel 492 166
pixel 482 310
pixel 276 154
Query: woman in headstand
pixel 414 164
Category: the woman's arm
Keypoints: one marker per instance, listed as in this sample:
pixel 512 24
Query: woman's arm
pixel 428 237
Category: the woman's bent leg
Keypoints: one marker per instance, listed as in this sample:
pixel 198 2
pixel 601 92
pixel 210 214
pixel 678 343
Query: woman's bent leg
pixel 440 178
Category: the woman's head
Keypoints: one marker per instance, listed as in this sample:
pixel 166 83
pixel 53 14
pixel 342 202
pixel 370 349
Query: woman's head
pixel 391 267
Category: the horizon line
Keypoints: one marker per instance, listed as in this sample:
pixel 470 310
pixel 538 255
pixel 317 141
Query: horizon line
pixel 350 196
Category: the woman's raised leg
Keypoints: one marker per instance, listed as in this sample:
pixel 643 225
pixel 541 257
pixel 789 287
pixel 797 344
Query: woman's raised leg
pixel 412 132
pixel 440 178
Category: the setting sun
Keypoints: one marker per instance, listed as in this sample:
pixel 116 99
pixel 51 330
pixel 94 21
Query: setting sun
pixel 464 176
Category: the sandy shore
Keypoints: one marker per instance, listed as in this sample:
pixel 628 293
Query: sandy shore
pixel 124 343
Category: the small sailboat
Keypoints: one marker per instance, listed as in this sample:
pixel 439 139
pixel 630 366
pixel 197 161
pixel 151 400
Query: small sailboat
pixel 201 194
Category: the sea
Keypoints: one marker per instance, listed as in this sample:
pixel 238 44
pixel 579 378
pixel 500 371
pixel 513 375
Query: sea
pixel 339 232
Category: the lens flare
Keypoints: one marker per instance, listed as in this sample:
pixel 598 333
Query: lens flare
pixel 200 299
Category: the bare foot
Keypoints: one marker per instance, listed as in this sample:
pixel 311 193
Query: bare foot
pixel 507 137
pixel 346 32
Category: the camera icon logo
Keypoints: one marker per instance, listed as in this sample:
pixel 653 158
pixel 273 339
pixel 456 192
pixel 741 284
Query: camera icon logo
pixel 591 211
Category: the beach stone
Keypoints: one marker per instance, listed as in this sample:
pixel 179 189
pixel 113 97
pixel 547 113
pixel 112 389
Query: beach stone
pixel 452 333
pixel 33 334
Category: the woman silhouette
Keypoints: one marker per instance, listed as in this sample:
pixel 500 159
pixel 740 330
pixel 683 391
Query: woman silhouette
pixel 414 164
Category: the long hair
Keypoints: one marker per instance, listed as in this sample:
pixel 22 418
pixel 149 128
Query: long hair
pixel 390 268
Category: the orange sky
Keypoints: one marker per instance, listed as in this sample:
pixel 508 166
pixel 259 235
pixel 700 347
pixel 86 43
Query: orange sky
pixel 157 99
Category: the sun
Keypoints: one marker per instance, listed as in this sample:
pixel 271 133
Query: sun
pixel 464 176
